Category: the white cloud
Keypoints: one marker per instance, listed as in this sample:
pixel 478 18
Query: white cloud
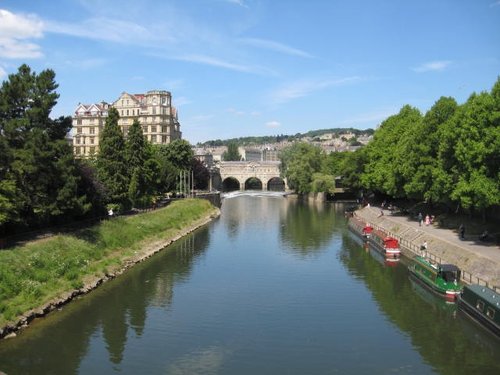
pixel 432 66
pixel 3 73
pixel 235 112
pixel 15 29
pixel 87 63
pixel 273 124
pixel 212 61
pixel 303 88
pixel 275 46
pixel 237 2
pixel 112 30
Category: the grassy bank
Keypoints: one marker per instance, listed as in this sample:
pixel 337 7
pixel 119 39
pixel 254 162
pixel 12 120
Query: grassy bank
pixel 39 272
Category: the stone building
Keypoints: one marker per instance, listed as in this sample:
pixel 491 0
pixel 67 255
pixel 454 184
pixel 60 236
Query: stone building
pixel 153 110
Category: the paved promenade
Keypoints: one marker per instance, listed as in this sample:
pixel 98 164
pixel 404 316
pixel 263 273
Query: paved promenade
pixel 478 258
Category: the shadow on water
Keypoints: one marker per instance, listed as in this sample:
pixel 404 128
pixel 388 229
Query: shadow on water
pixel 117 311
pixel 435 328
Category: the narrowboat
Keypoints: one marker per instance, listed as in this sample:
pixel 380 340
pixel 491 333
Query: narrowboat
pixel 367 231
pixel 387 245
pixel 360 227
pixel 442 279
pixel 482 305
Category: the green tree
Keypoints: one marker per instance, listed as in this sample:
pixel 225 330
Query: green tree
pixel 232 153
pixel 470 149
pixel 298 164
pixel 387 169
pixel 423 176
pixel 112 168
pixel 141 167
pixel 40 178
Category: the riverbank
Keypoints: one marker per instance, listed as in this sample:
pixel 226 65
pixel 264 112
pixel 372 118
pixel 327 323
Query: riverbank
pixel 478 259
pixel 43 275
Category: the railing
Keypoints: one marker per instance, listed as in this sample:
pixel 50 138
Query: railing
pixel 466 277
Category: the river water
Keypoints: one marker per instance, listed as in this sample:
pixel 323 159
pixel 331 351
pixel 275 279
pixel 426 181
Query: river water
pixel 273 286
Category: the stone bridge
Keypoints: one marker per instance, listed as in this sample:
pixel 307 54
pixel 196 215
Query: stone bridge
pixel 248 174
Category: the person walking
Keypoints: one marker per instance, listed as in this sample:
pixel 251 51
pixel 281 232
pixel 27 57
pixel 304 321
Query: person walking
pixel 461 230
pixel 420 218
pixel 427 220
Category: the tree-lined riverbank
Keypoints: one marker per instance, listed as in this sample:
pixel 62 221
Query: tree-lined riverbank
pixel 42 275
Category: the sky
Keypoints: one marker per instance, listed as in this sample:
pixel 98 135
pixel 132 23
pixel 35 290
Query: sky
pixel 240 68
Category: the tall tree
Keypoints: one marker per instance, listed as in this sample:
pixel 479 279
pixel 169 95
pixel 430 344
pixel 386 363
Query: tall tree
pixel 137 158
pixel 39 177
pixel 387 169
pixel 299 163
pixel 112 168
pixel 232 153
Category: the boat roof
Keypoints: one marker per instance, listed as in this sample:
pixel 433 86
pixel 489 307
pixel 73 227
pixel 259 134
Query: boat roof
pixel 449 267
pixel 486 293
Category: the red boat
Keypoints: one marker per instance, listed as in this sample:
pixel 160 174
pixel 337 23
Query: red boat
pixel 367 231
pixel 387 245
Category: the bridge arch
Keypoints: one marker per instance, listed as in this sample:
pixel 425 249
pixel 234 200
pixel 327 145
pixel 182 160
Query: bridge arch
pixel 276 184
pixel 230 184
pixel 253 183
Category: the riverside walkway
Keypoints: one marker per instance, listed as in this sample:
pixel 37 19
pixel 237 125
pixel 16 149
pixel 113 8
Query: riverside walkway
pixel 479 259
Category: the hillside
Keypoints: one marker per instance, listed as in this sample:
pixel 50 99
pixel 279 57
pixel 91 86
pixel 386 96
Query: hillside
pixel 261 140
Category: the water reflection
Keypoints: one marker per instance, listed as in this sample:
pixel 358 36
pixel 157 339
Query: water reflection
pixel 430 323
pixel 116 311
pixel 307 227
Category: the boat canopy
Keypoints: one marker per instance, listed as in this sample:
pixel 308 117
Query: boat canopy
pixel 391 243
pixel 450 272
pixel 367 229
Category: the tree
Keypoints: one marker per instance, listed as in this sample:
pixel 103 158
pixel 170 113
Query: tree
pixel 298 164
pixel 470 150
pixel 424 176
pixel 112 168
pixel 388 169
pixel 39 176
pixel 232 153
pixel 138 160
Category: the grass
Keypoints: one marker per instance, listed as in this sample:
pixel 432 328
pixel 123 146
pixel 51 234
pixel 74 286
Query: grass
pixel 38 272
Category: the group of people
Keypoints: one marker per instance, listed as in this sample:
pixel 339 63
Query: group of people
pixel 429 220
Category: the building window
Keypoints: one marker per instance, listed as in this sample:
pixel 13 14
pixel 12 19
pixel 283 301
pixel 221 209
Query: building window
pixel 153 139
pixel 79 130
pixel 480 305
pixel 144 129
pixel 91 120
pixel 163 139
pixel 77 140
pixel 153 128
pixel 127 110
pixel 92 150
pixel 78 121
pixel 92 141
pixel 92 130
pixel 154 110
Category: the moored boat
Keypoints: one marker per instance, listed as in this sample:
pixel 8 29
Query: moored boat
pixel 386 245
pixel 367 231
pixel 442 279
pixel 360 227
pixel 482 305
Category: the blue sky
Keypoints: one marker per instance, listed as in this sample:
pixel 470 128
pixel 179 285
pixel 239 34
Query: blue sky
pixel 255 67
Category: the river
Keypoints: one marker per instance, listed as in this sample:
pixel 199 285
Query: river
pixel 274 286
